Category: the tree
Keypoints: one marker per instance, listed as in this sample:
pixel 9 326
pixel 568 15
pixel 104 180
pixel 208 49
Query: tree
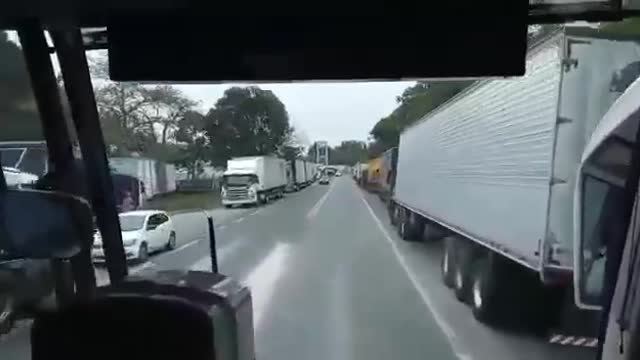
pixel 246 121
pixel 121 107
pixel 414 103
pixel 348 152
pixel 192 136
pixel 165 106
pixel 138 118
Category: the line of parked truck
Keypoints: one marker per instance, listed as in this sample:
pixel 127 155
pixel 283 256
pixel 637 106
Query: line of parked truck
pixel 255 180
pixel 500 176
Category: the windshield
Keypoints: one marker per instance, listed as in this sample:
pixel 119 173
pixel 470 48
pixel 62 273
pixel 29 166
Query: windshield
pixel 131 222
pixel 239 179
pixel 407 219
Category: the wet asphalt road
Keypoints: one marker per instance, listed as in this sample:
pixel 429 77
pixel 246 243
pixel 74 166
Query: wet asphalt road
pixel 331 280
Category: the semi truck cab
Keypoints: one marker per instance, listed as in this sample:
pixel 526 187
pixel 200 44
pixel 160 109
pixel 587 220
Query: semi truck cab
pixel 239 187
pixel 606 226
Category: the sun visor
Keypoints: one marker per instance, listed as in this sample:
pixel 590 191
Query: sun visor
pixel 273 49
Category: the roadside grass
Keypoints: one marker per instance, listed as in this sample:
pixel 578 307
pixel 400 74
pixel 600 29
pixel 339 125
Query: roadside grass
pixel 185 201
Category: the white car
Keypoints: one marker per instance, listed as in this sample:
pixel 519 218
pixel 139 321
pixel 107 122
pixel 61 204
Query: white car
pixel 143 232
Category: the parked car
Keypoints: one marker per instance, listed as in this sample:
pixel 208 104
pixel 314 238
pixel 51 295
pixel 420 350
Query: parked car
pixel 143 232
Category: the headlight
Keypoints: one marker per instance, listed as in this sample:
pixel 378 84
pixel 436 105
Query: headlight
pixel 129 242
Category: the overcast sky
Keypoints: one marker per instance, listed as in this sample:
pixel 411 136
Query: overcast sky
pixel 322 111
pixel 331 112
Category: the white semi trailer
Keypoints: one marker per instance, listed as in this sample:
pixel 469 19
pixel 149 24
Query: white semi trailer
pixel 492 173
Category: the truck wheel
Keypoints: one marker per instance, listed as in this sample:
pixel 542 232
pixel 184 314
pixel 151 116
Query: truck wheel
pixel 433 232
pixel 227 206
pixel 483 291
pixel 403 225
pixel 461 270
pixel 417 227
pixel 410 226
pixel 393 214
pixel 448 261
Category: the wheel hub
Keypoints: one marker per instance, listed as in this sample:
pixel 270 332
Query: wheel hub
pixel 477 294
pixel 459 279
pixel 445 263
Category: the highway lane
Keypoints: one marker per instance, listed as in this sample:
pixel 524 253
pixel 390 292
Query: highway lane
pixel 423 261
pixel 330 279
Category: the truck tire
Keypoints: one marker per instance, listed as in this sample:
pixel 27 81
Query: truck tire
pixel 433 232
pixel 448 261
pixel 411 226
pixel 484 295
pixel 462 269
pixel 404 225
pixel 393 214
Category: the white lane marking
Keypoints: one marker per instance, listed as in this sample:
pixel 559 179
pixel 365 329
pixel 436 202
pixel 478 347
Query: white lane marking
pixel 256 212
pixel 238 220
pixel 221 227
pixel 314 210
pixel 263 278
pixel 424 294
pixel 184 246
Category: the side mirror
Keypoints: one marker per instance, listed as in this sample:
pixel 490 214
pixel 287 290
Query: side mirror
pixel 42 224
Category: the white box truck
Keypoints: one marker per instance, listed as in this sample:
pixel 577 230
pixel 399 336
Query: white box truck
pixel 253 180
pixel 299 174
pixel 492 173
pixel 143 178
pixel 310 172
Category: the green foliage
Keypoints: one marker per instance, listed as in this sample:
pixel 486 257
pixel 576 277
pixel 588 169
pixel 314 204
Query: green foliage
pixel 348 153
pixel 246 121
pixel 415 102
pixel 185 201
pixel 192 134
pixel 290 152
pixel 630 26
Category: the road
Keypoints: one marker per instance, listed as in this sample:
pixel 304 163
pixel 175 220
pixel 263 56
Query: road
pixel 331 280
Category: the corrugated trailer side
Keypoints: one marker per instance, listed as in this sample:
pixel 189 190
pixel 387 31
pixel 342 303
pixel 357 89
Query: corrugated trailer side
pixel 476 173
pixel 481 164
